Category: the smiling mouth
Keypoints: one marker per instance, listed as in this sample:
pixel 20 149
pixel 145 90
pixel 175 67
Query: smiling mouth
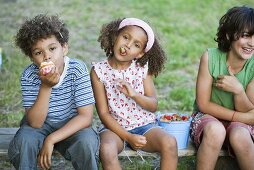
pixel 248 50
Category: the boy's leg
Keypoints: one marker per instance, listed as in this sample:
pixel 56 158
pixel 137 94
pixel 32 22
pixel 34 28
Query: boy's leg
pixel 25 146
pixel 158 140
pixel 239 134
pixel 209 134
pixel 81 149
pixel 111 145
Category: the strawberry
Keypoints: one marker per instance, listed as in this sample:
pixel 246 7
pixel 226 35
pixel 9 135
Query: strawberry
pixel 168 117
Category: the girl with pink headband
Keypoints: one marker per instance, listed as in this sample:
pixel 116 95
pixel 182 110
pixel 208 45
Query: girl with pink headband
pixel 126 96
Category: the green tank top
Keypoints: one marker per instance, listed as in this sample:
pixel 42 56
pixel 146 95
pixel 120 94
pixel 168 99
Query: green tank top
pixel 218 66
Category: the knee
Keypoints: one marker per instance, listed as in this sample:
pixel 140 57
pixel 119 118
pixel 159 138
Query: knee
pixel 169 143
pixel 108 150
pixel 214 132
pixel 238 136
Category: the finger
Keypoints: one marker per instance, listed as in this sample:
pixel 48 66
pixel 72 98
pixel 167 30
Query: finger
pixel 220 77
pixel 47 162
pixel 230 71
pixel 42 163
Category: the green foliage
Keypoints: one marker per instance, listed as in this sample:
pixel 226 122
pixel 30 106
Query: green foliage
pixel 185 29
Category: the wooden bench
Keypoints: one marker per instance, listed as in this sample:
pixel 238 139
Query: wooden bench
pixel 6 134
pixel 225 162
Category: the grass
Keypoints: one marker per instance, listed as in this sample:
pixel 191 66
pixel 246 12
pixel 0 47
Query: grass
pixel 185 29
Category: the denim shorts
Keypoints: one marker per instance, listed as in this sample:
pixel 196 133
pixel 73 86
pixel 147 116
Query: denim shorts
pixel 138 130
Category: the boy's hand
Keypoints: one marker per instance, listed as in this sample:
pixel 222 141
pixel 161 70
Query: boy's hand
pixel 51 78
pixel 229 83
pixel 44 158
pixel 137 141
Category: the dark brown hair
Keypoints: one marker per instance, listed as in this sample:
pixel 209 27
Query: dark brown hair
pixel 233 24
pixel 155 56
pixel 40 27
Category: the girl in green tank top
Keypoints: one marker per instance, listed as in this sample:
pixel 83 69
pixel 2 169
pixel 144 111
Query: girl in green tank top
pixel 224 107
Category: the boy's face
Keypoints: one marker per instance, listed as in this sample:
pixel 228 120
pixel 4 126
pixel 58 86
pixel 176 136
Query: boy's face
pixel 49 49
pixel 243 48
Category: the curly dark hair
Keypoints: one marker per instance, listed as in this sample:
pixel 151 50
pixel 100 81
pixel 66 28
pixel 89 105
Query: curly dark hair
pixel 233 24
pixel 155 56
pixel 40 27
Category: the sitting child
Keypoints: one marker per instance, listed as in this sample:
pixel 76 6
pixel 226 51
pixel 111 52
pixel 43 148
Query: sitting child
pixel 125 93
pixel 58 100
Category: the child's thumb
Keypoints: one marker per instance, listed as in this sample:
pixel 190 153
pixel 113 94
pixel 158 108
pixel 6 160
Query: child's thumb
pixel 230 71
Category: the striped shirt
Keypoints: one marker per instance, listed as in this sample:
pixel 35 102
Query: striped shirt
pixel 72 91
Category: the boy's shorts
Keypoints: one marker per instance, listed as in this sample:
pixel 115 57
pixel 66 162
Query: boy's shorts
pixel 200 120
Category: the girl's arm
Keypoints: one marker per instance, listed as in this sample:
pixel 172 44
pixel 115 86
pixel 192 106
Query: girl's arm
pixel 148 101
pixel 103 111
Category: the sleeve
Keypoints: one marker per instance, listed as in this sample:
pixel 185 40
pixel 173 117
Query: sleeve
pixel 29 88
pixel 145 70
pixel 98 70
pixel 83 94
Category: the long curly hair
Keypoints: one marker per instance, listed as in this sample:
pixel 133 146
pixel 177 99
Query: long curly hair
pixel 155 56
pixel 40 27
pixel 233 24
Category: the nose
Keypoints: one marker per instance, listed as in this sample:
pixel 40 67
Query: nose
pixel 129 43
pixel 252 40
pixel 47 56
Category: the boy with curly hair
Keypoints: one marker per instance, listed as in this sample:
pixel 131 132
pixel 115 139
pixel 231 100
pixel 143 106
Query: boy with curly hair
pixel 58 103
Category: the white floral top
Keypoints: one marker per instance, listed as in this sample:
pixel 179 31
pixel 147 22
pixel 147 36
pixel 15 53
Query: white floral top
pixel 124 109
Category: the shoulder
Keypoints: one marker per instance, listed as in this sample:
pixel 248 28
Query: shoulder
pixel 30 73
pixel 77 66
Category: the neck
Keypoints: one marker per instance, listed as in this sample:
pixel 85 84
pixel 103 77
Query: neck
pixel 235 63
pixel 119 65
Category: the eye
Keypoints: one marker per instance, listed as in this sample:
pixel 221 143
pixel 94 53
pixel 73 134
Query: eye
pixel 37 53
pixel 246 35
pixel 125 37
pixel 52 48
pixel 137 45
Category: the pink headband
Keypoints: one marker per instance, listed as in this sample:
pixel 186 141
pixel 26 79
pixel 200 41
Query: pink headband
pixel 142 24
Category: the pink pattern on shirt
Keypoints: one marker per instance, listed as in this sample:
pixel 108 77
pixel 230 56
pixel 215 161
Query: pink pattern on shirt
pixel 125 110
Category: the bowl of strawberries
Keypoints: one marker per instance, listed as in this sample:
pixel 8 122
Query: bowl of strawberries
pixel 177 125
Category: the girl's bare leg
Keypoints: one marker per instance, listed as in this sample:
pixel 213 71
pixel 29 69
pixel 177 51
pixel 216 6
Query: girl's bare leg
pixel 111 145
pixel 160 141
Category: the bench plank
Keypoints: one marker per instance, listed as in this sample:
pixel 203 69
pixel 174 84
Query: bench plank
pixel 6 134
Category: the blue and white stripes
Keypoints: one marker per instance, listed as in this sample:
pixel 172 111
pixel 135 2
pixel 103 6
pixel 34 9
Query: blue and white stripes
pixel 74 90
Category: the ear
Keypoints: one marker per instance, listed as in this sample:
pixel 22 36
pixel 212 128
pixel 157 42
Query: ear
pixel 65 49
pixel 140 54
pixel 227 36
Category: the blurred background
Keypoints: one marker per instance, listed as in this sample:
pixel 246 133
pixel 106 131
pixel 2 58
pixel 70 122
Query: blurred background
pixel 185 29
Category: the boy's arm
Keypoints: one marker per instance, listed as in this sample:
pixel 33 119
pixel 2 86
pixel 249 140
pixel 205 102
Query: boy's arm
pixel 203 93
pixel 37 114
pixel 244 101
pixel 82 120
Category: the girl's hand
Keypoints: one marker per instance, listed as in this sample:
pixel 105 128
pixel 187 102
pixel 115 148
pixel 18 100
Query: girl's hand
pixel 137 141
pixel 125 88
pixel 229 83
pixel 44 158
pixel 50 79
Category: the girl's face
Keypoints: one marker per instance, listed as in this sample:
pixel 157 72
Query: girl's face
pixel 49 49
pixel 243 48
pixel 130 43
